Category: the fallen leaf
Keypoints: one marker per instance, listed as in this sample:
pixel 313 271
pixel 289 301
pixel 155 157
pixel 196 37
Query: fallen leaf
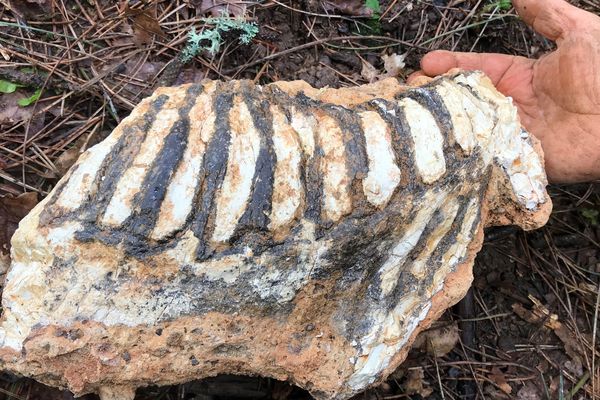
pixel 438 342
pixel 10 112
pixel 498 378
pixel 369 72
pixel 529 392
pixel 393 64
pixel 7 87
pixel 144 22
pixel 27 101
pixel 416 383
pixel 68 157
pixel 219 8
pixel 12 210
pixel 541 314
pixel 356 8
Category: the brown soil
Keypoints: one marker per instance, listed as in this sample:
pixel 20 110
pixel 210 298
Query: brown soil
pixel 527 328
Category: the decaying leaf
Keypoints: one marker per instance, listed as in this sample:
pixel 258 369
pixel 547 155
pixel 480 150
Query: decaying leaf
pixel 530 392
pixel 68 158
pixel 144 23
pixel 369 72
pixel 438 342
pixel 10 111
pixel 12 210
pixel 498 378
pixel 357 8
pixel 541 314
pixel 393 63
pixel 219 8
pixel 416 383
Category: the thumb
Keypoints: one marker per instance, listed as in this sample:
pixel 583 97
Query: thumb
pixel 495 66
pixel 554 19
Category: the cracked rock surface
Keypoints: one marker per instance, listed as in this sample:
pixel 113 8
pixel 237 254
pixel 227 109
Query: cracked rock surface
pixel 284 231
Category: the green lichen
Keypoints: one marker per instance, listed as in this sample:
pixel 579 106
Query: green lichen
pixel 211 39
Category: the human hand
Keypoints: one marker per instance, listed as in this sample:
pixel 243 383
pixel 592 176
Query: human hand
pixel 558 95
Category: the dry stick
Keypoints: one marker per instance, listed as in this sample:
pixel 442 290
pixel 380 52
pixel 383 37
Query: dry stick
pixel 487 22
pixel 594 331
pixel 467 18
pixel 25 139
pixel 311 44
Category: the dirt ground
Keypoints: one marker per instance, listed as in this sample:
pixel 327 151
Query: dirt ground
pixel 528 328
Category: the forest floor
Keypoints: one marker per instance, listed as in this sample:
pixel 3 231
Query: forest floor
pixel 70 71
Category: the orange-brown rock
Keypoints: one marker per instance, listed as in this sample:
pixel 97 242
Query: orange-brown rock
pixel 284 231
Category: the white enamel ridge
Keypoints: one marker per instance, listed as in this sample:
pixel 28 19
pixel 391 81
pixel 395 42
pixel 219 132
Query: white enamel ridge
pixel 392 267
pixel 336 190
pixel 287 187
pixel 428 140
pixel 457 106
pixel 458 248
pixel 448 211
pixel 384 175
pixel 179 198
pixel 88 165
pixel 305 126
pixel 235 191
pixel 511 146
pixel 119 207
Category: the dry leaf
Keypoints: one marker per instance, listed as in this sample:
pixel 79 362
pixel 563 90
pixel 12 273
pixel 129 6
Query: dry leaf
pixel 393 64
pixel 350 7
pixel 529 392
pixel 498 378
pixel 144 22
pixel 416 383
pixel 218 8
pixel 438 342
pixel 540 314
pixel 68 158
pixel 12 210
pixel 369 72
pixel 10 111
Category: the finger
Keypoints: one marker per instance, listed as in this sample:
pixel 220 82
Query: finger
pixel 414 76
pixel 554 19
pixel 493 65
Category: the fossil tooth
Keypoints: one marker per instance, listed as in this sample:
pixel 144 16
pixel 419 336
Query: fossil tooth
pixel 284 231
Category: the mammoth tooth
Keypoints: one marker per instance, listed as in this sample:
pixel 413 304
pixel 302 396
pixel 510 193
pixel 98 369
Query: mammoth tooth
pixel 275 230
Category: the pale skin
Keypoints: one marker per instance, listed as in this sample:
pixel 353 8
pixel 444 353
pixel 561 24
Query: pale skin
pixel 558 95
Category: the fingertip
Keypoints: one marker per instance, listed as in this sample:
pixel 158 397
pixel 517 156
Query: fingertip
pixel 438 62
pixel 414 76
pixel 553 19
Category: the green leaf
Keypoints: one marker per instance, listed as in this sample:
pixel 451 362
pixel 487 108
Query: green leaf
pixel 7 87
pixel 26 101
pixel 373 5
